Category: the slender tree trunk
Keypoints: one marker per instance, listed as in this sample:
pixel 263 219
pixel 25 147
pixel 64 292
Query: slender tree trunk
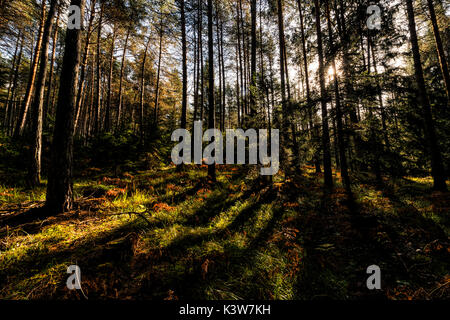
pixel 224 94
pixel 380 99
pixel 142 93
pixel 440 48
pixel 211 118
pixel 328 175
pixel 98 93
pixel 87 46
pixel 219 62
pixel 52 67
pixel 284 100
pixel 12 103
pixel 11 78
pixel 240 97
pixel 196 69
pixel 314 134
pixel 437 168
pixel 158 75
pixel 110 75
pixel 60 184
pixel 31 81
pixel 202 74
pixel 184 67
pixel 339 123
pixel 122 68
pixel 238 91
pixel 253 60
pixel 37 107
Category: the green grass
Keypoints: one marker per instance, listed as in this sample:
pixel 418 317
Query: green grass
pixel 168 235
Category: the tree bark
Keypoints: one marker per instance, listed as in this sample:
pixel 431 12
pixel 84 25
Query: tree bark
pixel 339 123
pixel 122 68
pixel 211 117
pixel 437 168
pixel 440 48
pixel 60 184
pixel 184 67
pixel 31 81
pixel 328 175
pixel 37 108
pixel 110 75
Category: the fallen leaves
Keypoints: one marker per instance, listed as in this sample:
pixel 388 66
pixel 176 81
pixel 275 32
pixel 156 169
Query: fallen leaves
pixel 163 207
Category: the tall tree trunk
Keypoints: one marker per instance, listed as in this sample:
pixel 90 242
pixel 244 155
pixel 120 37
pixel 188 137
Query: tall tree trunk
pixel 211 118
pixel 184 67
pixel 314 134
pixel 87 45
pixel 37 108
pixel 339 123
pixel 196 68
pixel 241 89
pixel 282 65
pixel 238 90
pixel 253 60
pixel 328 175
pixel 12 103
pixel 219 62
pixel 437 168
pixel 122 68
pixel 110 75
pixel 202 78
pixel 31 81
pixel 11 78
pixel 52 67
pixel 184 99
pixel 158 75
pixel 440 48
pixel 142 93
pixel 224 94
pixel 60 184
pixel 98 92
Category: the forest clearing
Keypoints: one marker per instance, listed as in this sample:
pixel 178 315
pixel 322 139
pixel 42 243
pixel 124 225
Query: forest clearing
pixel 124 174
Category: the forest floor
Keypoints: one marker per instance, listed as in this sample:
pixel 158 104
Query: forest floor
pixel 169 235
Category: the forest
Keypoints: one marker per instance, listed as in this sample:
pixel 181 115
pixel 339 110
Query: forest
pixel 97 202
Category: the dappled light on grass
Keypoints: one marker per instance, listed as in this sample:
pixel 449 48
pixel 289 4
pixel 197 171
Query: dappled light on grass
pixel 171 234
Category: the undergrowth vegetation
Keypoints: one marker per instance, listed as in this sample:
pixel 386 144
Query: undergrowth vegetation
pixel 164 234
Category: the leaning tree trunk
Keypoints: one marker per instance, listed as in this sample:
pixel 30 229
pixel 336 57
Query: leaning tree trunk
pixel 440 48
pixel 12 103
pixel 60 184
pixel 37 108
pixel 31 80
pixel 437 168
pixel 11 79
